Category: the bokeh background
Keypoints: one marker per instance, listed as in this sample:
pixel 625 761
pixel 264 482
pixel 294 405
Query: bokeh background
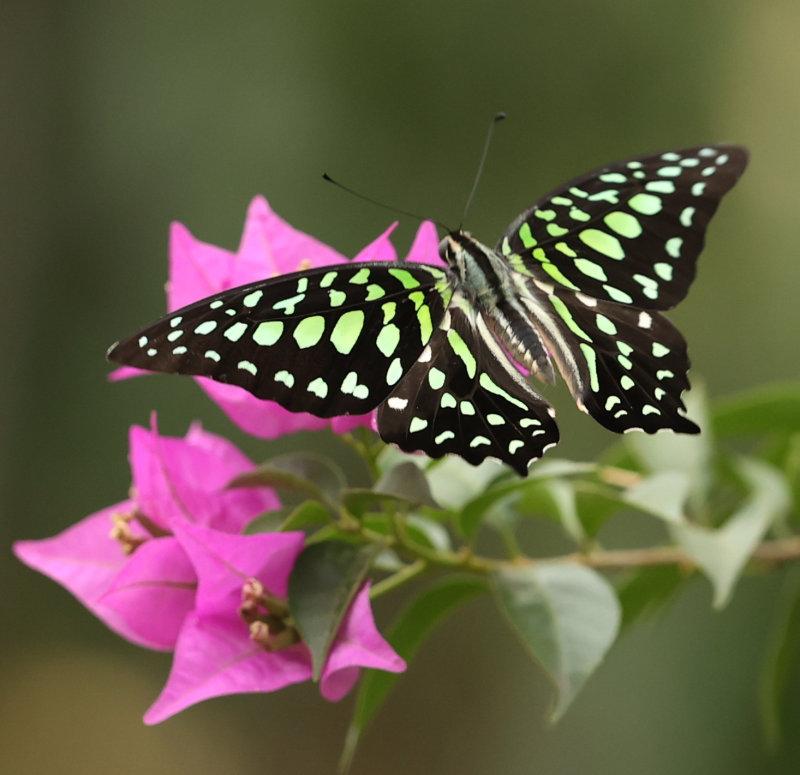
pixel 118 118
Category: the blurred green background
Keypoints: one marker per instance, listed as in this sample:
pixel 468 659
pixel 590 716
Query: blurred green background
pixel 121 117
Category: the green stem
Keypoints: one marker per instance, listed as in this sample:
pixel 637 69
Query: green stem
pixel 406 573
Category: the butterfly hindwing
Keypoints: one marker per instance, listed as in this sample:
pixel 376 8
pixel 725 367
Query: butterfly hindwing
pixel 463 396
pixel 629 232
pixel 329 341
pixel 625 367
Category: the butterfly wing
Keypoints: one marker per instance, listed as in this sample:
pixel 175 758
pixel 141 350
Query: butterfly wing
pixel 625 367
pixel 463 396
pixel 329 341
pixel 629 232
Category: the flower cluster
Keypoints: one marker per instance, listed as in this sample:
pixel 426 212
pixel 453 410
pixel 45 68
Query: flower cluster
pixel 171 568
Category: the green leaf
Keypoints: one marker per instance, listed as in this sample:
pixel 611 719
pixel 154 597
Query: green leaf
pixel 722 553
pixel 595 505
pixel 663 495
pixel 556 499
pixel 406 635
pixel 685 452
pixel 473 511
pixel 306 513
pixel 567 616
pixel 760 410
pixel 407 482
pixel 311 475
pixel 419 529
pixel 781 660
pixel 646 590
pixel 454 482
pixel 323 583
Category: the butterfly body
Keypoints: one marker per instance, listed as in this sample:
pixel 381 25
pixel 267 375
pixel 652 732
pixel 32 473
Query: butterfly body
pixel 578 281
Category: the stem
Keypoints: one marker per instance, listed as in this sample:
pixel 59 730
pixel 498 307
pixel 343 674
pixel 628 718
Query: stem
pixel 406 573
pixel 768 553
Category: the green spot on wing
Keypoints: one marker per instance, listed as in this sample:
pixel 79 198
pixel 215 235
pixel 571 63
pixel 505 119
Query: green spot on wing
pixel 327 279
pixel 660 186
pixel 252 298
pixel 663 270
pixel 389 308
pixel 615 294
pixel 236 331
pixel 388 339
pixel 603 243
pixel 590 269
pixel 566 316
pixel 605 325
pixel 487 383
pixel 659 350
pixel 268 332
pixel 461 349
pixel 417 424
pixel 318 387
pixel 436 378
pixel 347 330
pixel 425 323
pixel 308 332
pixel 591 363
pixel 646 204
pixel 336 298
pixel 405 278
pixel 528 240
pixel 624 224
pixel 557 275
pixel 374 292
pixel 673 247
pixel 554 230
pixel 286 377
pixel 394 372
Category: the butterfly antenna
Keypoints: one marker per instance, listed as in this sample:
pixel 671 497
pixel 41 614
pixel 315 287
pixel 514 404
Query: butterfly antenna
pixel 363 197
pixel 499 117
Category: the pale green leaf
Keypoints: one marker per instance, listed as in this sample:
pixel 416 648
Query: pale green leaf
pixel 759 410
pixel 567 616
pixel 663 495
pixel 722 553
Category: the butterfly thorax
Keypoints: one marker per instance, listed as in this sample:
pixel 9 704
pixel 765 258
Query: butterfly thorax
pixel 504 299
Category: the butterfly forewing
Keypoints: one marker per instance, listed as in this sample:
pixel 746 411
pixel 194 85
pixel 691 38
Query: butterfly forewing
pixel 464 396
pixel 329 341
pixel 629 232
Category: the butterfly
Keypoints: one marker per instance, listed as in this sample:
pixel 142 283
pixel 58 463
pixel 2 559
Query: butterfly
pixel 578 281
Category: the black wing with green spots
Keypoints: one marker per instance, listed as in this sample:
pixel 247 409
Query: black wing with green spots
pixel 629 367
pixel 328 341
pixel 464 396
pixel 629 232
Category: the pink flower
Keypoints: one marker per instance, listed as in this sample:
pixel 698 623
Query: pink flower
pixel 269 247
pixel 124 562
pixel 227 646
